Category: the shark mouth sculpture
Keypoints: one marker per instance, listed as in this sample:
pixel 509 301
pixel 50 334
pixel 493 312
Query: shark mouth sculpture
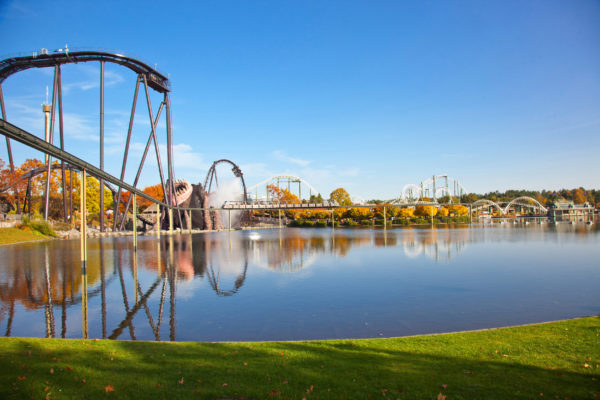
pixel 183 191
pixel 193 196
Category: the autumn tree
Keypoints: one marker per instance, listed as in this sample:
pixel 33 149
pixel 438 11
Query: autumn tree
pixel 406 212
pixel 155 191
pixel 426 211
pixel 283 195
pixel 457 209
pixel 443 212
pixel 341 196
pixel 579 196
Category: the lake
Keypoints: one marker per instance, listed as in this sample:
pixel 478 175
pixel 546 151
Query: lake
pixel 296 284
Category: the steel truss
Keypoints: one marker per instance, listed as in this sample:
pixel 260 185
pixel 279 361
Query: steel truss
pixel 146 76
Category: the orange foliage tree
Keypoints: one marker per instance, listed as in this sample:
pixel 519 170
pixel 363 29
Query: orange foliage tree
pixel 155 191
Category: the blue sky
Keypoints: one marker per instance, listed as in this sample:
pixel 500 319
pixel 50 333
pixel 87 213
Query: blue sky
pixel 365 95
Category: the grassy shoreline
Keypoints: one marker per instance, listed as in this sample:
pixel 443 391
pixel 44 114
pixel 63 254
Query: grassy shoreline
pixel 550 360
pixel 16 235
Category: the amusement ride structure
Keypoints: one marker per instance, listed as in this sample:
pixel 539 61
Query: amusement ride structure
pixel 185 205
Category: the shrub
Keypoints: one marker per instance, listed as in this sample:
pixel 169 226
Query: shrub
pixel 320 224
pixel 40 226
pixel 349 222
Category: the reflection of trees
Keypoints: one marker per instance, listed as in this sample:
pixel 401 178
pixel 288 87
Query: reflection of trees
pixel 49 278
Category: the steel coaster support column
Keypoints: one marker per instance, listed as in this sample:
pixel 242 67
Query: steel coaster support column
pixel 135 225
pixel 160 169
pixel 332 219
pixel 102 144
pixel 137 177
pixel 28 196
pixel 62 143
pixel 384 219
pixel 170 170
pixel 170 221
pixel 8 148
pixel 48 171
pixel 279 210
pixel 229 216
pixel 158 222
pixel 190 219
pixel 126 153
pixel 83 242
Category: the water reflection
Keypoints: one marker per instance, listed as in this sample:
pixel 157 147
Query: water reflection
pixel 123 294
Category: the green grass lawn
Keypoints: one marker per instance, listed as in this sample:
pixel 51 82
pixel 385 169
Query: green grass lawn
pixel 16 235
pixel 557 360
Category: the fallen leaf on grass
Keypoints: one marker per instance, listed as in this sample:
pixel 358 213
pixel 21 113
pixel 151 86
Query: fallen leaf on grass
pixel 224 385
pixel 21 378
pixel 444 386
pixel 51 370
pixel 586 365
pixel 180 381
pixel 441 397
pixel 275 392
pixel 285 383
pixel 47 388
pixel 109 388
pixel 69 368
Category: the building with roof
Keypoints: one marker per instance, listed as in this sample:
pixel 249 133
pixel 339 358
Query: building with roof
pixel 567 211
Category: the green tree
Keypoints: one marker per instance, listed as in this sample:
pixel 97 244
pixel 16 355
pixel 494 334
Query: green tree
pixel 318 199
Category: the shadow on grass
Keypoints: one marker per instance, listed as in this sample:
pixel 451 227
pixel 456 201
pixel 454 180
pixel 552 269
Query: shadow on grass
pixel 349 369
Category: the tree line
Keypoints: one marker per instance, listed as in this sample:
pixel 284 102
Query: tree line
pixel 13 192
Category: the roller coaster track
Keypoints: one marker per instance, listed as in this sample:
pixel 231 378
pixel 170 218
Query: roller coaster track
pixel 10 66
pixel 13 132
pixel 147 77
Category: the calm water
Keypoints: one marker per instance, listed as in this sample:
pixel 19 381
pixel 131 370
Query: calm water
pixel 302 283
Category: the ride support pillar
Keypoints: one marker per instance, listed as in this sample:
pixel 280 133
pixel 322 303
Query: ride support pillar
pixel 158 222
